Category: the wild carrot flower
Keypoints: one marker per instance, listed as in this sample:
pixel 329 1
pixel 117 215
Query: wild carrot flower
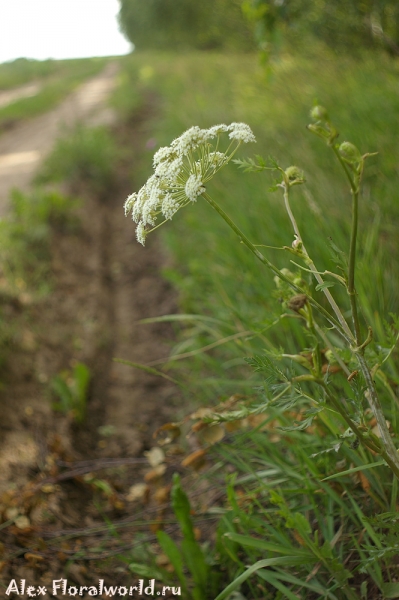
pixel 181 171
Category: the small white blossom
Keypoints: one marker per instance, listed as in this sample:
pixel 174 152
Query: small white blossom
pixel 130 200
pixel 169 170
pixel 138 207
pixel 194 187
pixel 190 140
pixel 241 132
pixel 217 130
pixel 169 206
pixel 164 153
pixel 141 233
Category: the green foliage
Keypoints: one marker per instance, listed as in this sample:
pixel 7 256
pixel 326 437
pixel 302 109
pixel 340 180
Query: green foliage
pixel 190 555
pixel 71 388
pixel 185 24
pixel 84 155
pixel 342 24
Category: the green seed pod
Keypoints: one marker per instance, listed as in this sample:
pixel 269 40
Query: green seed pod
pixel 294 175
pixel 350 153
pixel 319 113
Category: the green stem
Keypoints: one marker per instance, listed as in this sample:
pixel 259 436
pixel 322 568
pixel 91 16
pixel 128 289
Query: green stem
pixel 274 269
pixel 312 266
pixel 352 264
pixel 339 408
pixel 390 453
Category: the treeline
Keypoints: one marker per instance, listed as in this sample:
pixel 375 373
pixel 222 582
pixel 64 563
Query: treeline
pixel 243 24
pixel 179 24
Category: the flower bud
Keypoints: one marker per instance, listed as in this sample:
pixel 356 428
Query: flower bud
pixel 297 245
pixel 350 153
pixel 319 113
pixel 294 175
pixel 297 302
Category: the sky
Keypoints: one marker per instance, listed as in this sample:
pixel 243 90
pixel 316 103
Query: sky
pixel 60 29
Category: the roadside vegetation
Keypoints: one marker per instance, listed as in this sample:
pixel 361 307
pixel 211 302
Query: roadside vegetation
pixel 305 515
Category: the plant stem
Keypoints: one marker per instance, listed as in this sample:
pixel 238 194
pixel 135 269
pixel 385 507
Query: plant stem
pixel 352 264
pixel 355 187
pixel 391 455
pixel 389 452
pixel 312 266
pixel 275 270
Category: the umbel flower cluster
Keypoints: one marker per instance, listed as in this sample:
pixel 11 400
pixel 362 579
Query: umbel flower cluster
pixel 181 171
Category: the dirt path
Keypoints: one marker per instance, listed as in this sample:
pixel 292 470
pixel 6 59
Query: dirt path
pixel 103 284
pixel 23 147
pixel 23 91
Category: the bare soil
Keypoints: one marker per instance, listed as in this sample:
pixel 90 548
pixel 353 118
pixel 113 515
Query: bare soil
pixel 61 482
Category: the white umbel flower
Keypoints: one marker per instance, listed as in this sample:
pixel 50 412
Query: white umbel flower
pixel 194 187
pixel 169 170
pixel 129 203
pixel 165 153
pixel 190 140
pixel 181 171
pixel 241 132
pixel 141 233
pixel 169 206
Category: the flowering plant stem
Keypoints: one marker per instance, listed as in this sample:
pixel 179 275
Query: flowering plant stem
pixel 267 262
pixel 312 267
pixel 387 449
pixel 389 453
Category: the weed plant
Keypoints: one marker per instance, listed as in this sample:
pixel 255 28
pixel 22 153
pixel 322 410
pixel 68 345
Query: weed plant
pixel 326 400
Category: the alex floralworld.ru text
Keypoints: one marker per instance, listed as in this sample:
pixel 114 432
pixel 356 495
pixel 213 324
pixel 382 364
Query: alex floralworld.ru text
pixel 61 587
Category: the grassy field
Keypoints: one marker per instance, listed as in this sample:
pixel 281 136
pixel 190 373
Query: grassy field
pixel 233 301
pixel 58 77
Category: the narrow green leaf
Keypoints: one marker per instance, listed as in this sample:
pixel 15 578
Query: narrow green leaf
pixel 390 590
pixel 245 540
pixel 149 370
pixel 174 555
pixel 145 571
pixel 349 471
pixel 261 564
pixel 322 286
pixel 196 563
pixel 270 578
